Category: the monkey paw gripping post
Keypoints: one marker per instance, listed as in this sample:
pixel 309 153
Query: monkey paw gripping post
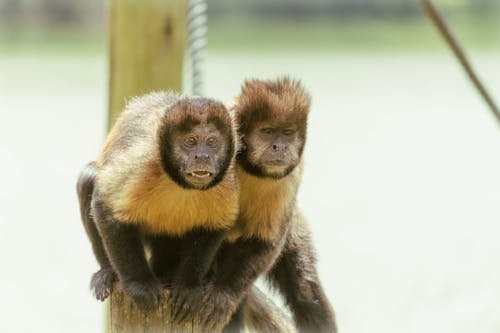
pixel 125 317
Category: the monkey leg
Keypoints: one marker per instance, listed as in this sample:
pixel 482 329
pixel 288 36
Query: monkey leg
pixel 165 257
pixel 125 249
pixel 295 276
pixel 102 281
pixel 238 266
pixel 237 322
pixel 197 253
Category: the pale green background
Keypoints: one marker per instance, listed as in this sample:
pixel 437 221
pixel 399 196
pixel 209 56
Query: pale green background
pixel 402 175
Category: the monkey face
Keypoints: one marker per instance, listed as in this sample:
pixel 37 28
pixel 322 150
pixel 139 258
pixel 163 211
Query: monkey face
pixel 273 149
pixel 272 119
pixel 196 141
pixel 199 155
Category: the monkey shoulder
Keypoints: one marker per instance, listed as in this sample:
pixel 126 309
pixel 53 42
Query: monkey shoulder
pixel 133 137
pixel 130 153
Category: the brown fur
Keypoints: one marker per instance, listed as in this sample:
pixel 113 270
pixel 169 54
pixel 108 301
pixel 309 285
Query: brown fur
pixel 137 189
pixel 271 236
pixel 264 204
pixel 261 315
pixel 282 101
pixel 142 195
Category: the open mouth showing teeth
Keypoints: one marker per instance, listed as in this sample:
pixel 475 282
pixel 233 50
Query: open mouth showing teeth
pixel 200 174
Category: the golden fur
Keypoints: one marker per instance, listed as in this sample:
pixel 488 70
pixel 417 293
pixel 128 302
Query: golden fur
pixel 264 201
pixel 137 190
pixel 263 204
pixel 271 236
pixel 160 205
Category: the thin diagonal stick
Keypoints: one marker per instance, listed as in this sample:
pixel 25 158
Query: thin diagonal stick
pixel 452 42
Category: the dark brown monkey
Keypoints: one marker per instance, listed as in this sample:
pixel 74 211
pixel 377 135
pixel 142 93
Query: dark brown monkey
pixel 270 236
pixel 166 162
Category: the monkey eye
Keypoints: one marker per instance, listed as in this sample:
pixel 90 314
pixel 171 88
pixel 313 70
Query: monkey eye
pixel 190 141
pixel 267 130
pixel 211 142
pixel 288 131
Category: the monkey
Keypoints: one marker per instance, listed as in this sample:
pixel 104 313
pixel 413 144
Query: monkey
pixel 260 314
pixel 270 237
pixel 163 182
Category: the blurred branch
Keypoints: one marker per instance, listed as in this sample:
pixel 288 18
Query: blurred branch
pixel 452 42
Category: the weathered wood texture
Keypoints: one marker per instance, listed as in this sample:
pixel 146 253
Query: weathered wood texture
pixel 146 48
pixel 125 317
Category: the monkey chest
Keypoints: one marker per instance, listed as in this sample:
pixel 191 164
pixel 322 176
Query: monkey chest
pixel 177 213
pixel 260 217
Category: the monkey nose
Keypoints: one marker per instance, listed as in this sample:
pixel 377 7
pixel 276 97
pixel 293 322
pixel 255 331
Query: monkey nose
pixel 201 157
pixel 279 147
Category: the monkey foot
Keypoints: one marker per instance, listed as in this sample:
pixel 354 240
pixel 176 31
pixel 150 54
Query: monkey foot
pixel 102 283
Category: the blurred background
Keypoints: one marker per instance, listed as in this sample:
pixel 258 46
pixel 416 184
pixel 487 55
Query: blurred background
pixel 402 178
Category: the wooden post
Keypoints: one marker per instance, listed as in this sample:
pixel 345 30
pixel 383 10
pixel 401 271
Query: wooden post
pixel 125 317
pixel 146 48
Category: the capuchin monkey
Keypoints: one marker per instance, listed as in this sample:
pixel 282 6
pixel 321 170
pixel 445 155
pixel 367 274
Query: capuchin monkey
pixel 270 236
pixel 150 188
pixel 165 182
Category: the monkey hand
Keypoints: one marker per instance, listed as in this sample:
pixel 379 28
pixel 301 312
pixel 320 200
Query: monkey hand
pixel 102 283
pixel 145 294
pixel 184 301
pixel 217 307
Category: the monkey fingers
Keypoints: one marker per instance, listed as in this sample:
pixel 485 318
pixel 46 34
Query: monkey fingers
pixel 102 283
pixel 184 302
pixel 145 294
pixel 218 306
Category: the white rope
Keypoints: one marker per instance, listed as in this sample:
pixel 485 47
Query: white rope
pixel 197 42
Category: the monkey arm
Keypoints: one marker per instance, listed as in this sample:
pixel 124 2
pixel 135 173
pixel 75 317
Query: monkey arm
pixel 126 252
pixel 242 262
pixel 102 281
pixel 198 251
pixel 85 188
pixel 294 274
pixel 238 266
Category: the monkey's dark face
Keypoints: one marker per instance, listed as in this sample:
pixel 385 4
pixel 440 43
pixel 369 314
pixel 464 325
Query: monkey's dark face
pixel 272 149
pixel 199 154
pixel 272 119
pixel 196 141
pixel 197 157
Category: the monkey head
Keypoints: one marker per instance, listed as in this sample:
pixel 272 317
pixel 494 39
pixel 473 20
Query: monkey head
pixel 196 141
pixel 272 116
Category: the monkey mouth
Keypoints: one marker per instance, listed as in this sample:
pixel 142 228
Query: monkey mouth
pixel 200 174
